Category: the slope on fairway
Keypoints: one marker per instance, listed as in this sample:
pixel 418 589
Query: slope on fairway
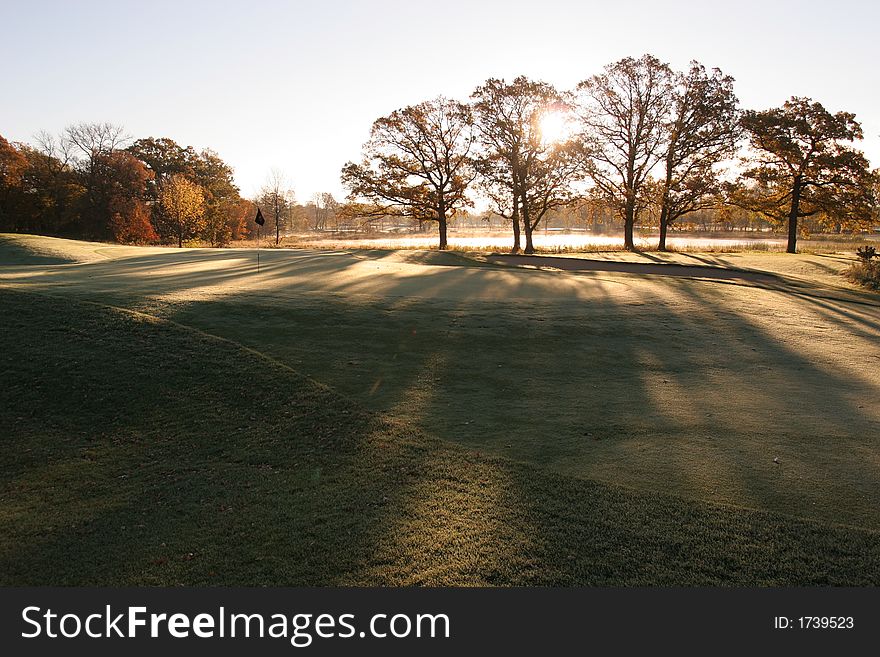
pixel 136 451
pixel 751 395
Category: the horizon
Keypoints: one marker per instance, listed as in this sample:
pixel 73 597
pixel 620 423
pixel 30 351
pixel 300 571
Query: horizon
pixel 222 64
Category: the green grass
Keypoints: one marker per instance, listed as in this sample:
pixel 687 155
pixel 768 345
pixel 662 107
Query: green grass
pixel 137 451
pixel 737 398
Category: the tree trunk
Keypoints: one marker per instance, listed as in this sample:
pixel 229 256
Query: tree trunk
pixel 530 246
pixel 793 216
pixel 664 204
pixel 277 219
pixel 515 219
pixel 629 221
pixel 664 222
pixel 441 222
pixel 527 225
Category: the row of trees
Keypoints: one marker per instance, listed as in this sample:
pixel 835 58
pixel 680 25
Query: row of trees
pixel 322 213
pixel 635 136
pixel 94 182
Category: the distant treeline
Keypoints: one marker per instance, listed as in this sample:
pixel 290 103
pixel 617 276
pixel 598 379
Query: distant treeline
pixel 93 182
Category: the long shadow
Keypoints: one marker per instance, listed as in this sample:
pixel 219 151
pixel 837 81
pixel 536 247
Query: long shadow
pixel 836 312
pixel 811 406
pixel 660 268
pixel 541 387
pixel 160 274
pixel 713 346
pixel 254 475
pixel 302 497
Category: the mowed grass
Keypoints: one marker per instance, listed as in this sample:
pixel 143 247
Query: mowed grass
pixel 138 451
pixel 754 397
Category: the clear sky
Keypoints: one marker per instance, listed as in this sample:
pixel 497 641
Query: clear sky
pixel 296 85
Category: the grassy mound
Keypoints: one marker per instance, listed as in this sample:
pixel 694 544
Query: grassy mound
pixel 30 250
pixel 139 452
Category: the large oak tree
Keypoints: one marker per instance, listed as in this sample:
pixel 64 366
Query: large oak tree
pixel 803 166
pixel 702 129
pixel 523 173
pixel 623 112
pixel 417 163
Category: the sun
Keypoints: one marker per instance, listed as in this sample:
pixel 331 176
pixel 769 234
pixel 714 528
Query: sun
pixel 554 126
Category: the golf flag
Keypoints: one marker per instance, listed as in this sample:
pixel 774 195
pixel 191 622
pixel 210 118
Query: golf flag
pixel 259 219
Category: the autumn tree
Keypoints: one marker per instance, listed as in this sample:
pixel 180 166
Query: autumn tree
pixel 125 179
pixel 54 178
pixel 875 197
pixel 623 113
pixel 47 196
pixel 330 207
pixel 183 203
pixel 239 219
pixel 130 222
pixel 702 129
pixel 503 120
pixel 804 166
pixel 523 171
pixel 278 199
pixel 323 208
pixel 548 186
pixel 163 156
pixel 13 165
pixel 91 144
pixel 221 196
pixel 83 185
pixel 222 200
pixel 417 163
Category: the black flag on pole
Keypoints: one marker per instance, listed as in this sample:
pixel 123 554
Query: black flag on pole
pixel 259 219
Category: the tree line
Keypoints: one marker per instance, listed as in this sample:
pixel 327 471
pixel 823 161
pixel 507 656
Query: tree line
pixel 637 136
pixel 94 182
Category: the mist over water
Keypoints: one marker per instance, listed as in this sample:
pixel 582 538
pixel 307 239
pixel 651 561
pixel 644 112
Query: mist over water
pixel 551 241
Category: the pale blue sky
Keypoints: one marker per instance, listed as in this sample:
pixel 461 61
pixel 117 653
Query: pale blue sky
pixel 296 85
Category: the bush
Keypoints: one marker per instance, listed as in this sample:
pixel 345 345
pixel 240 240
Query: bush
pixel 865 253
pixel 866 273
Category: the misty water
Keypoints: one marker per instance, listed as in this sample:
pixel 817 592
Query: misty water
pixel 557 241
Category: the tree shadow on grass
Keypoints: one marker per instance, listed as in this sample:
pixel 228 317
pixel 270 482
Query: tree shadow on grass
pixel 312 494
pixel 665 386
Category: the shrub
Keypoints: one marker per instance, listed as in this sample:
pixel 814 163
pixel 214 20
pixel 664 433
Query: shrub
pixel 866 253
pixel 866 273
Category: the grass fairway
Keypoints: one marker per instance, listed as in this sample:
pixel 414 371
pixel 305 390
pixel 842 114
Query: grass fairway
pixel 473 424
